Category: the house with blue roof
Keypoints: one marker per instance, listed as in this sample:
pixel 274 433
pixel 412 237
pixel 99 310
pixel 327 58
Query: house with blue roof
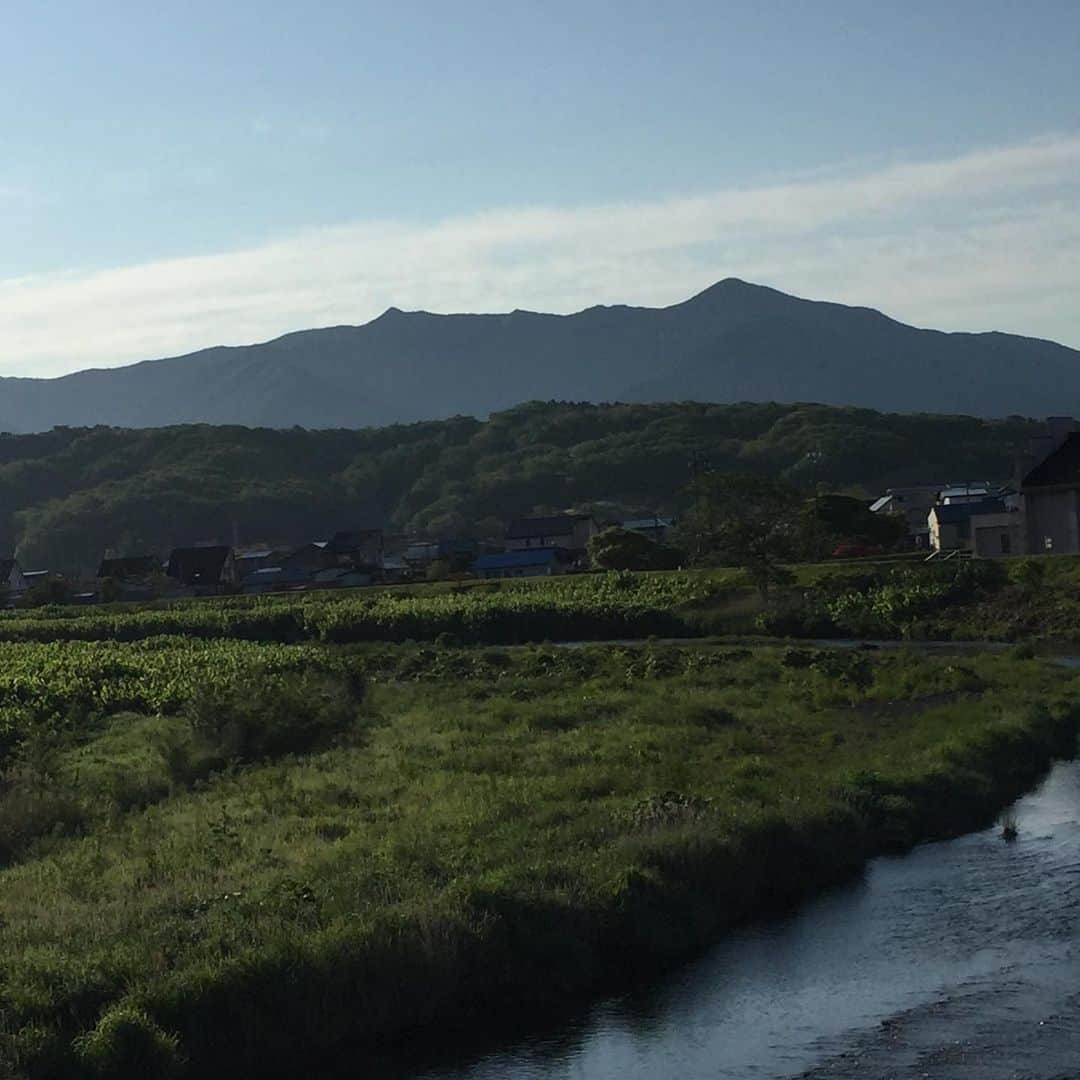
pixel 538 562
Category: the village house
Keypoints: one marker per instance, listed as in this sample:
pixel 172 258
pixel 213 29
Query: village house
pixel 571 532
pixel 988 528
pixel 128 577
pixel 252 559
pixel 395 570
pixel 311 557
pixel 274 579
pixel 969 492
pixel 128 568
pixel 654 528
pixel 357 548
pixel 341 577
pixel 458 551
pixel 912 503
pixel 1051 491
pixel 11 578
pixel 997 534
pixel 420 553
pixel 539 562
pixel 203 569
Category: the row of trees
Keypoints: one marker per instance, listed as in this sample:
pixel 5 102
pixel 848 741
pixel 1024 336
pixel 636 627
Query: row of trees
pixel 758 523
pixel 66 495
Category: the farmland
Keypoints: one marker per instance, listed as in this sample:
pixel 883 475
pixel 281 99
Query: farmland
pixel 588 607
pixel 1016 600
pixel 373 812
pixel 358 841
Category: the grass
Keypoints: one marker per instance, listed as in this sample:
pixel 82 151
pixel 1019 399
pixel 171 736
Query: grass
pixel 242 887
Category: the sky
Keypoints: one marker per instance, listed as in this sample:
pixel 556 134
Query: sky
pixel 179 176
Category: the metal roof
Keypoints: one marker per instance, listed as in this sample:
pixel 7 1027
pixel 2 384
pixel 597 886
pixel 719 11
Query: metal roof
pixel 510 560
pixel 648 523
pixel 959 513
pixel 1060 467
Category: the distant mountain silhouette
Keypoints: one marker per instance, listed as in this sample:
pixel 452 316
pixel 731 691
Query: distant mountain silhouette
pixel 733 342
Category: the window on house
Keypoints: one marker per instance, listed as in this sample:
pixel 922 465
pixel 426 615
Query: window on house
pixel 1006 544
pixel 1048 543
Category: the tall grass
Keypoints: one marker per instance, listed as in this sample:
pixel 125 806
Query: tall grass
pixel 468 830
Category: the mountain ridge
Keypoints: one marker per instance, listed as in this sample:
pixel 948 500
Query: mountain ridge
pixel 732 341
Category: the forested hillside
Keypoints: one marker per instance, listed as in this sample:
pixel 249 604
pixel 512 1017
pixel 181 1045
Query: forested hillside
pixel 67 494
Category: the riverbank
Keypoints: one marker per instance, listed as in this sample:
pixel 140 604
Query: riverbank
pixel 950 960
pixel 529 826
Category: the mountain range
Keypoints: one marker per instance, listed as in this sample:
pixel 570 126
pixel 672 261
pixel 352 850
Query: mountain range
pixel 733 342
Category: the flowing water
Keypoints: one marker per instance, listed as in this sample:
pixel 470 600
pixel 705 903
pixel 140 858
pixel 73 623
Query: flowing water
pixel 960 959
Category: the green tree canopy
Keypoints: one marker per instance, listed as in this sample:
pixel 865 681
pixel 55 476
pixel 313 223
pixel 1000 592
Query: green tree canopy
pixel 622 549
pixel 747 521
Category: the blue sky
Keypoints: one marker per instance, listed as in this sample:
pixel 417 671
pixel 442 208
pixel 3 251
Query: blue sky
pixel 183 175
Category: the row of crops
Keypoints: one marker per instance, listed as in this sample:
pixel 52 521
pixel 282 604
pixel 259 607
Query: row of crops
pixel 157 675
pixel 586 607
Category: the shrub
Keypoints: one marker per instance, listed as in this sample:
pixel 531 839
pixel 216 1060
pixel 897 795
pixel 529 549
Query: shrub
pixel 258 715
pixel 127 1043
pixel 1029 574
pixel 28 812
pixel 844 666
pixel 668 808
pixel 621 549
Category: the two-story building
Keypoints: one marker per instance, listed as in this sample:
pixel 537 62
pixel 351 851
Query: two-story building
pixel 360 549
pixel 571 532
pixel 1051 494
pixel 203 569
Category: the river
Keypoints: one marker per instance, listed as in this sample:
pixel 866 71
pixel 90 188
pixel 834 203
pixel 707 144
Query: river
pixel 960 959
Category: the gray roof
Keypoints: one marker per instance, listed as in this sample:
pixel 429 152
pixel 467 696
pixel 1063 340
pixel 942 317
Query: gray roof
pixel 648 523
pixel 961 513
pixel 967 490
pixel 557 525
pixel 1060 467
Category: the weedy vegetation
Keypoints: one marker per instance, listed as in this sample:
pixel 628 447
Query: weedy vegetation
pixel 226 857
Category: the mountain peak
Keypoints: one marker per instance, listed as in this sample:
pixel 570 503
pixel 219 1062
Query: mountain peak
pixel 734 341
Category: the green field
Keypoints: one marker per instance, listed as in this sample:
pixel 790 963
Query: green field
pixel 239 858
pixel 1012 600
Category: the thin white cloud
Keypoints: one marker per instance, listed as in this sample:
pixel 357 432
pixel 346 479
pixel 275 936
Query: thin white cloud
pixel 987 239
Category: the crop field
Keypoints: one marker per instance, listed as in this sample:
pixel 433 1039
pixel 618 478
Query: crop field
pixel 1018 599
pixel 224 857
pixel 587 606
